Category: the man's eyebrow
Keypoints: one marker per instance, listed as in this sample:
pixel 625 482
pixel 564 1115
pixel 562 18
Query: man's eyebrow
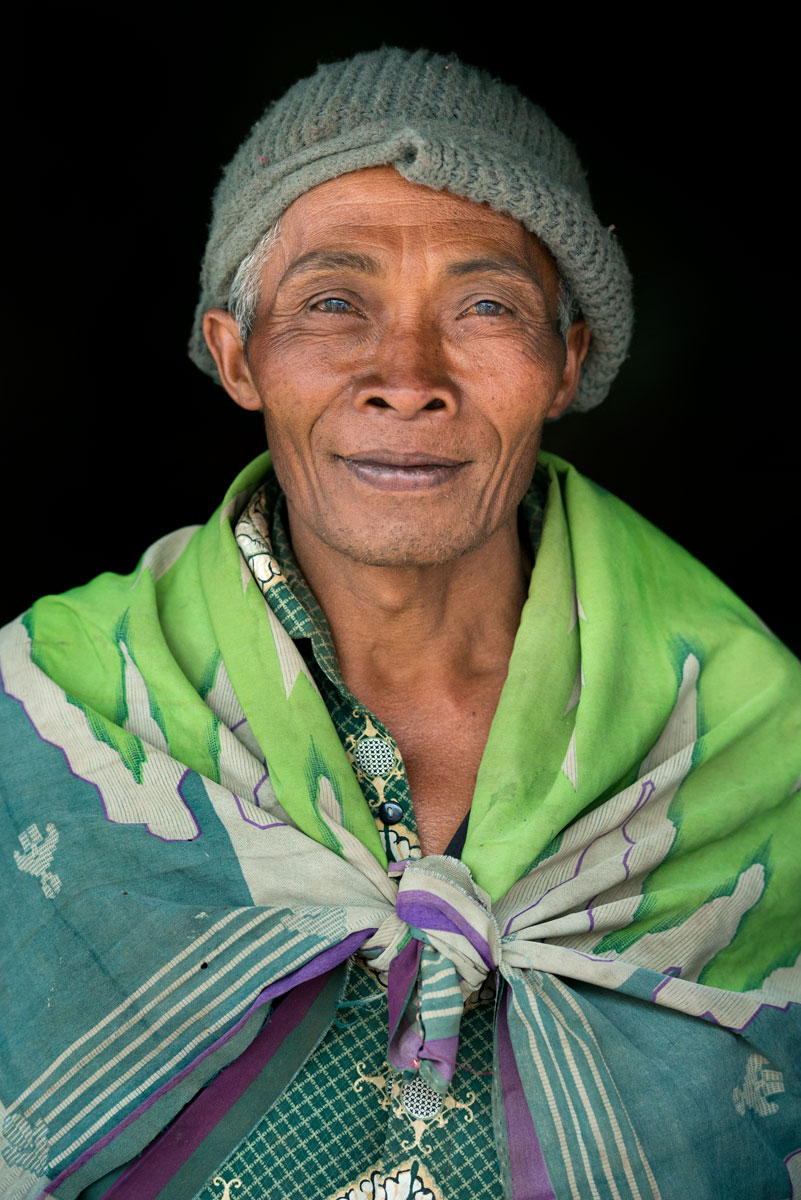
pixel 496 265
pixel 331 260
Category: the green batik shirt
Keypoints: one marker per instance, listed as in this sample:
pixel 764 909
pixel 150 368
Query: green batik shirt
pixel 348 1126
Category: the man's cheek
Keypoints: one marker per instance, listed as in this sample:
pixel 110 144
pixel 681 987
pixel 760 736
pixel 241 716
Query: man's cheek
pixel 288 345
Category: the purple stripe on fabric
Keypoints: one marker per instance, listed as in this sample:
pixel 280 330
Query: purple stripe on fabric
pixel 405 1046
pixel 444 1048
pixel 400 981
pixel 151 1172
pixel 530 1180
pixel 670 973
pixel 707 1015
pixel 739 1028
pixel 647 790
pixel 316 966
pixel 325 961
pixel 244 815
pixel 263 779
pixel 426 911
pixel 442 1052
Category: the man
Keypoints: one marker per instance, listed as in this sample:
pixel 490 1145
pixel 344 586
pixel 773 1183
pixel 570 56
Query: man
pixel 421 729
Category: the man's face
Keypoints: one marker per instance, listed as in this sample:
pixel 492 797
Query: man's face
pixel 405 355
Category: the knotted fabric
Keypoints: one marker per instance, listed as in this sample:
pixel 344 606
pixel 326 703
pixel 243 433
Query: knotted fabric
pixel 438 948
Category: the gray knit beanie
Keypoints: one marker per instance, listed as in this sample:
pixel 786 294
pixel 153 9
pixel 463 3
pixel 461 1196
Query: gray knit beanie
pixel 447 126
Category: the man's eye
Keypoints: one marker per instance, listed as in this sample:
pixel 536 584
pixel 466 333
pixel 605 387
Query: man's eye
pixel 487 308
pixel 333 304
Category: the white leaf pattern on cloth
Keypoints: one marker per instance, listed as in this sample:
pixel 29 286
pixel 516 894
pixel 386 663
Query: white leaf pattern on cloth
pixel 17 1139
pixel 28 1145
pixel 760 1082
pixel 37 855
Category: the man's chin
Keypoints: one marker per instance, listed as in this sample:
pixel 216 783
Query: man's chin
pixel 426 548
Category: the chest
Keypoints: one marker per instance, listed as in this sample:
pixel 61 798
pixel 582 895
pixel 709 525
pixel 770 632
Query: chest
pixel 441 740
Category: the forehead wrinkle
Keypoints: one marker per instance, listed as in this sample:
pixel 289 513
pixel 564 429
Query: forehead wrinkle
pixel 331 260
pixel 495 265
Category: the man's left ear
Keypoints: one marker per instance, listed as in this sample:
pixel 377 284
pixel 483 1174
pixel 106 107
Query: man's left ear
pixel 577 344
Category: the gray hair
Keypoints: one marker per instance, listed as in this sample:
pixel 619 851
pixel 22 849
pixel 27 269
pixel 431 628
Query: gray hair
pixel 243 298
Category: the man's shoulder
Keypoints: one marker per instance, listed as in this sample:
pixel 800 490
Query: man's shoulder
pixel 637 575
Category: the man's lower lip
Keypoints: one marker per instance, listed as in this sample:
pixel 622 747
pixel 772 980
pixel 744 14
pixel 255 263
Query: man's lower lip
pixel 391 478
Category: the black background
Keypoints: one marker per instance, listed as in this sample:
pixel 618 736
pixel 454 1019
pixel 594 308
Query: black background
pixel 125 120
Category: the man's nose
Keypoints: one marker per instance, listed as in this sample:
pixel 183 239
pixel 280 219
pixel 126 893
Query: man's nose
pixel 407 375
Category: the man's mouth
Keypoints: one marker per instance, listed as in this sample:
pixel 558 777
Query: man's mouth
pixel 391 471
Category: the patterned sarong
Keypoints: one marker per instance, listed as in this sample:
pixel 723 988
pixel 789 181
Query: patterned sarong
pixel 185 842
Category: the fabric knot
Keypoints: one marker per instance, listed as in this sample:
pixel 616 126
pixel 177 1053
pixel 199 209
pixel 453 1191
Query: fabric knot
pixel 443 944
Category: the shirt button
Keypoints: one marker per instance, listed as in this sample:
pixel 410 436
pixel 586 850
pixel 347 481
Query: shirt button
pixel 390 812
pixel 374 756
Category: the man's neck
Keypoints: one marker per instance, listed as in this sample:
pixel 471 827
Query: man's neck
pixel 408 627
